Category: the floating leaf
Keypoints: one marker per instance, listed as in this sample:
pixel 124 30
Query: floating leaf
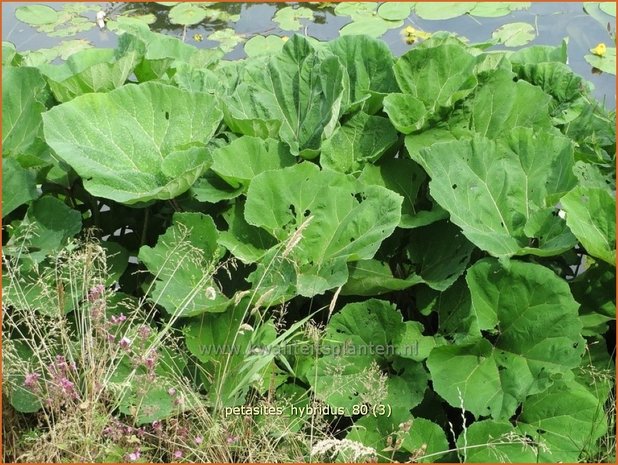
pixel 606 63
pixel 228 39
pixel 609 8
pixel 36 14
pixel 395 11
pixel 514 34
pixel 288 17
pixel 186 14
pixel 442 10
pixel 371 26
pixel 356 10
pixel 497 9
pixel 156 151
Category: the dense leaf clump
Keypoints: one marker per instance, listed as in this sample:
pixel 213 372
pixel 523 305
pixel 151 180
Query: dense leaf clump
pixel 454 206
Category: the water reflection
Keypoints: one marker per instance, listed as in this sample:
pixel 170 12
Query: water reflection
pixel 553 22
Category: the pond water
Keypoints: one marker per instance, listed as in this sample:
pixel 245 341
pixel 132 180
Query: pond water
pixel 551 23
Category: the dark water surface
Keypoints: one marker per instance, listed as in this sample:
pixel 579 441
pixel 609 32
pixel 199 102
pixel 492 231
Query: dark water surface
pixel 553 22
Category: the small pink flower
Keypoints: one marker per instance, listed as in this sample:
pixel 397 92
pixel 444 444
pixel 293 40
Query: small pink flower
pixel 125 343
pixel 133 456
pixel 96 292
pixel 156 426
pixel 199 439
pixel 232 439
pixel 143 332
pixel 178 454
pixel 116 320
pixel 171 392
pixel 31 381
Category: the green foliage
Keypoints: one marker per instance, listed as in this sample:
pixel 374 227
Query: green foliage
pixel 472 190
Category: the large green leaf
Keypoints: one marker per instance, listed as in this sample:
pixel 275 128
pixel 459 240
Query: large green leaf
pixel 502 105
pixel 91 70
pixel 556 79
pixel 359 336
pixel 18 186
pixel 556 426
pixel 399 175
pixel 48 225
pixel 223 349
pixel 436 76
pixel 246 157
pixel 533 318
pixel 590 214
pixel 424 440
pixel 247 243
pixel 595 290
pixel 183 263
pixel 440 253
pixel 136 143
pixel 360 140
pixel 568 418
pixel 24 96
pixel 298 98
pixel 373 277
pixel 321 232
pixel 502 194
pixel 369 64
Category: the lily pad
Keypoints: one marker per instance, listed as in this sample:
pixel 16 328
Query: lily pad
pixel 288 18
pixel 186 14
pixel 497 9
pixel 36 14
pixel 356 9
pixel 371 26
pixel 514 34
pixel 395 11
pixel 609 8
pixel 228 39
pixel 263 45
pixel 606 63
pixel 446 10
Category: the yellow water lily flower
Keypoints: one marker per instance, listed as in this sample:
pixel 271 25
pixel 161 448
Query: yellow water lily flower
pixel 198 37
pixel 600 50
pixel 285 38
pixel 411 35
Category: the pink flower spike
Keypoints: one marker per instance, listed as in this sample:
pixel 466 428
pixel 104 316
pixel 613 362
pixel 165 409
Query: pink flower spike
pixel 31 380
pixel 125 342
pixel 118 319
pixel 133 456
pixel 199 439
pixel 143 332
